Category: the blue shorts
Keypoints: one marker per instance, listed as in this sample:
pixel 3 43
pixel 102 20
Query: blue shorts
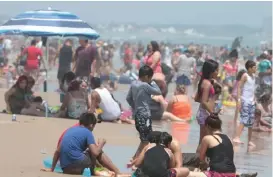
pixel 183 80
pixel 247 114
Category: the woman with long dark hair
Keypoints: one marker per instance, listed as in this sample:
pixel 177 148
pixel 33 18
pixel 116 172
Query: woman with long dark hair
pixel 205 94
pixel 153 58
pixel 15 97
pixel 75 101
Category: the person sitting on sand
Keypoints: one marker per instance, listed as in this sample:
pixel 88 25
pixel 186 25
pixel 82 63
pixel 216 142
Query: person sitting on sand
pixel 67 78
pixel 165 163
pixel 178 108
pixel 15 97
pixel 218 148
pixel 189 160
pixel 29 94
pixel 75 102
pixel 77 149
pixel 102 98
pixel 180 105
pixel 103 160
pixel 35 108
pixel 265 105
pixel 259 124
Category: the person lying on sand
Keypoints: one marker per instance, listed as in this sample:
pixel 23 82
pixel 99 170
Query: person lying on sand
pixel 83 156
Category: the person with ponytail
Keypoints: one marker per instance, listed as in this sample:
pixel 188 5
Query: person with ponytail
pixel 218 148
pixel 205 94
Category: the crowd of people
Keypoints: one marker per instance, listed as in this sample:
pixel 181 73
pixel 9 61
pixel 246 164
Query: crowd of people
pixel 87 82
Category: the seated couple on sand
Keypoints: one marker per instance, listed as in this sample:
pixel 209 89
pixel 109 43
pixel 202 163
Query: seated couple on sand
pixel 216 146
pixel 20 99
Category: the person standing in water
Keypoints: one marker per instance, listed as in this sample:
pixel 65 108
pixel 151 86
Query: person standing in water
pixel 205 94
pixel 246 102
pixel 84 57
pixel 65 55
pixel 185 64
pixel 235 93
pixel 138 98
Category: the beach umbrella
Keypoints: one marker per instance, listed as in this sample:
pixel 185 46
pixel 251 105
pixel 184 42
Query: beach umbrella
pixel 47 23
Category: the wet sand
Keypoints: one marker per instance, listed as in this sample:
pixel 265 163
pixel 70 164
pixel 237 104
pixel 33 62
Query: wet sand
pixel 23 141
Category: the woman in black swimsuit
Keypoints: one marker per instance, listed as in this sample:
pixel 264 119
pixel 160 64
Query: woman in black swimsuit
pixel 157 160
pixel 219 149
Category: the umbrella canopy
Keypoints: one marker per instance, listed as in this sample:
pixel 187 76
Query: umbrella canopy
pixel 48 23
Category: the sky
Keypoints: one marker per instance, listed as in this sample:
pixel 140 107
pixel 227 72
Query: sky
pixel 251 14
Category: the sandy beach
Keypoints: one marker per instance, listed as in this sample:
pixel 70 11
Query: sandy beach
pixel 28 141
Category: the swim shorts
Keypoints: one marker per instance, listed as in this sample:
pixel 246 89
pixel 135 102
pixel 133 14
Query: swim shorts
pixel 183 80
pixel 201 115
pixel 247 114
pixel 143 125
pixel 79 165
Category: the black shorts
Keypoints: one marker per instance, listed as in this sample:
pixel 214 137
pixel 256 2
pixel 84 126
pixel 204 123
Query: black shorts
pixel 170 173
pixel 78 166
pixel 143 125
pixel 2 61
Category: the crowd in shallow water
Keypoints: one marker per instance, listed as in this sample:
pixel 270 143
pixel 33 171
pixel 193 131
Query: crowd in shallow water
pixel 86 94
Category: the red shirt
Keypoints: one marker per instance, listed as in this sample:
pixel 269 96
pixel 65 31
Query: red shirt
pixel 32 53
pixel 128 56
pixel 61 137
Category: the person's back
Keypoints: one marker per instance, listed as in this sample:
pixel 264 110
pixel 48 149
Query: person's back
pixel 110 108
pixel 32 53
pixel 221 154
pixel 65 57
pixel 73 145
pixel 158 167
pixel 181 106
pixel 185 64
pixel 142 95
pixel 85 58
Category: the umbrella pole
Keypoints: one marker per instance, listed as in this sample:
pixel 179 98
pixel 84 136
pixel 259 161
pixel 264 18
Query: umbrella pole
pixel 46 63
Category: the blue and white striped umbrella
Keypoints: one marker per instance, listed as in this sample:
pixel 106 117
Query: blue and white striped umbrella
pixel 48 23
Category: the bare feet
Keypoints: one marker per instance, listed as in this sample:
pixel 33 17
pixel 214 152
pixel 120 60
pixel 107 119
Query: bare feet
pixel 237 141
